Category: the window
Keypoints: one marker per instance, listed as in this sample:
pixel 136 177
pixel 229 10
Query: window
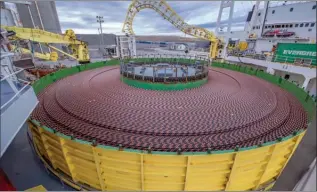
pixel 291 25
pixel 314 7
pixel 291 9
pixel 286 26
pixel 283 26
pixel 306 24
pixel 253 27
pixel 312 24
pixel 265 27
pixel 296 25
pixel 272 27
pixel 309 29
pixel 259 14
pixel 301 25
pixel 273 11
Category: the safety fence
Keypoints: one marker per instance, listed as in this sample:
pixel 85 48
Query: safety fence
pixel 98 167
pixel 308 62
pixel 304 62
pixel 134 73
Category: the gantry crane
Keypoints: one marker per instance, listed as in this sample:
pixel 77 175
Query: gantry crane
pixel 79 48
pixel 162 8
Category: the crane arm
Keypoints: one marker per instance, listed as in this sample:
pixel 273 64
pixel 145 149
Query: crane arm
pixel 79 48
pixel 42 36
pixel 36 54
pixel 56 49
pixel 162 8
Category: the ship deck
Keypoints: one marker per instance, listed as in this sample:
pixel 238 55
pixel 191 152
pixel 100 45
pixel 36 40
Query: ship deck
pixel 24 169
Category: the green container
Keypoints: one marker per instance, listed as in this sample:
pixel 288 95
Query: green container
pixel 288 52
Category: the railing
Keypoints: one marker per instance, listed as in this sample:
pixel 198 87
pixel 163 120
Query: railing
pixel 190 56
pixel 17 102
pixel 294 60
pixel 11 88
pixel 305 62
pixel 182 62
pixel 157 57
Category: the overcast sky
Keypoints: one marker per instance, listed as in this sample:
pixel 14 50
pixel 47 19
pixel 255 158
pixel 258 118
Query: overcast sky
pixel 81 16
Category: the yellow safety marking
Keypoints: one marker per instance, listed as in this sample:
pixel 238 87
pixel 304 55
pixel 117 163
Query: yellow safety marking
pixel 37 188
pixel 269 187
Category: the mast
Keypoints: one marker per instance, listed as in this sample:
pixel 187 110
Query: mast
pixel 226 34
pixel 266 8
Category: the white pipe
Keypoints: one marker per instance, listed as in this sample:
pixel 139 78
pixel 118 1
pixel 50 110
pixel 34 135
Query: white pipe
pixel 38 12
pixel 33 24
pixel 254 16
pixel 219 17
pixel 40 17
pixel 228 33
pixel 230 18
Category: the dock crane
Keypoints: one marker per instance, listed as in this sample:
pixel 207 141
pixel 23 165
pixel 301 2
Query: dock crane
pixel 78 48
pixel 163 9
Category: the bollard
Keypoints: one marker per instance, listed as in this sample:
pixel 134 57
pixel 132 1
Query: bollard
pixel 94 143
pixel 260 144
pixel 149 150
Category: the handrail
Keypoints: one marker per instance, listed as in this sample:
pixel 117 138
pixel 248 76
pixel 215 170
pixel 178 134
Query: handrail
pixel 16 94
pixel 11 74
pixel 276 58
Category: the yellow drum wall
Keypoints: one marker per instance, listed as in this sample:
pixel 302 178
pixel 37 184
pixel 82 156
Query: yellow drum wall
pixel 108 169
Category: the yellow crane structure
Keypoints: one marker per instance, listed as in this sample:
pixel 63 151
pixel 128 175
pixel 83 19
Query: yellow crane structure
pixel 79 48
pixel 163 9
